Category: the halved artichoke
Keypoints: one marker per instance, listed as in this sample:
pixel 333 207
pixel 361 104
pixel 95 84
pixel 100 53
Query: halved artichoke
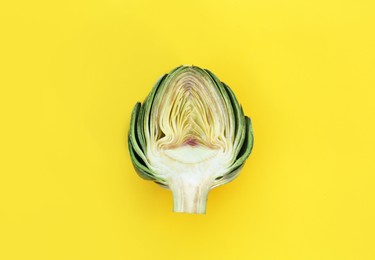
pixel 189 135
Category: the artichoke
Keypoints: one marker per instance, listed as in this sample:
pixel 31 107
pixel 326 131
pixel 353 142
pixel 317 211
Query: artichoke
pixel 189 135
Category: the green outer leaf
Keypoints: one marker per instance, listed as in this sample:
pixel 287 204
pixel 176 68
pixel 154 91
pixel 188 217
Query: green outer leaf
pixel 138 166
pixel 240 129
pixel 226 98
pixel 146 124
pixel 140 130
pixel 247 146
pixel 133 134
pixel 137 138
pixel 235 169
pixel 142 122
pixel 134 149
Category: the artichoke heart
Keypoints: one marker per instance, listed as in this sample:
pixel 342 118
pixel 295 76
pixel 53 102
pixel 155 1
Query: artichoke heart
pixel 189 135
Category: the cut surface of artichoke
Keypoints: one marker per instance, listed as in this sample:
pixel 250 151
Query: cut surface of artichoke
pixel 189 135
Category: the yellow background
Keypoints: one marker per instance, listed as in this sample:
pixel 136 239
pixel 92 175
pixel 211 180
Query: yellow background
pixel 71 72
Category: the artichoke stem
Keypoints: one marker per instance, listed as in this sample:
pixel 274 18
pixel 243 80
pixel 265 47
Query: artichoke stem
pixel 189 195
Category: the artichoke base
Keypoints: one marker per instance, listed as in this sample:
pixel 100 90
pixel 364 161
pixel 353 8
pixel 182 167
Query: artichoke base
pixel 190 193
pixel 191 173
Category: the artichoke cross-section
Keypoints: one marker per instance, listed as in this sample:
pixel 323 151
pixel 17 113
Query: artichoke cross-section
pixel 189 135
